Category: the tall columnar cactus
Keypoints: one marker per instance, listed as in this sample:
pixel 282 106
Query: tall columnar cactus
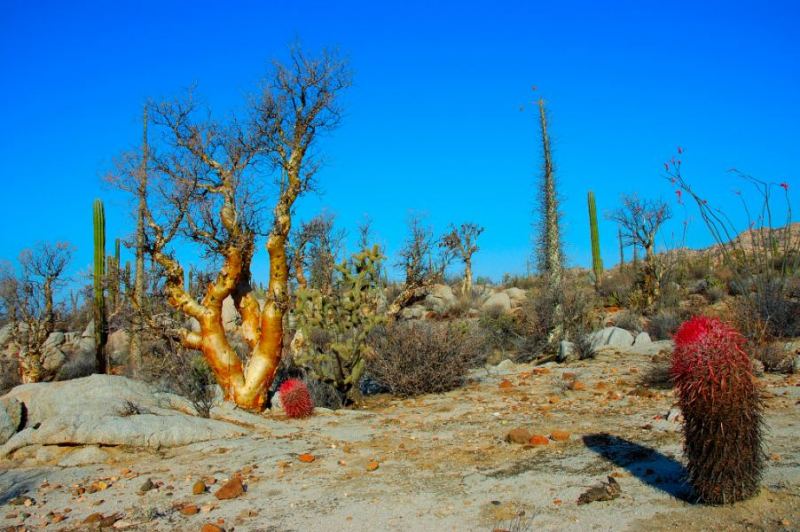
pixel 597 260
pixel 621 249
pixel 722 411
pixel 550 256
pixel 99 307
pixel 336 324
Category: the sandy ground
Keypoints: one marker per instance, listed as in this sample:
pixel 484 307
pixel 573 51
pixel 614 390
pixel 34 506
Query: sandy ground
pixel 430 463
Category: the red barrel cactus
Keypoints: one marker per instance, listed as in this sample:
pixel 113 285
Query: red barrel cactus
pixel 722 411
pixel 295 398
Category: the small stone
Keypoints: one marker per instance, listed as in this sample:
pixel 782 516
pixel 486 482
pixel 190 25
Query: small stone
pixel 93 518
pixel 209 527
pixel 147 486
pixel 559 435
pixel 505 384
pixel 372 466
pixel 189 509
pixel 199 487
pixel 518 435
pixel 568 376
pixel 538 439
pixel 553 399
pixel 306 458
pixel 230 490
pixel 775 457
pixel 577 386
pixel 541 371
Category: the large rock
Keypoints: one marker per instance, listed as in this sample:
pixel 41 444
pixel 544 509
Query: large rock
pixel 610 337
pixel 118 346
pixel 414 312
pixel 440 298
pixel 107 410
pixel 7 426
pixel 55 339
pixel 566 352
pixel 516 295
pixel 642 339
pixel 14 409
pixel 52 359
pixel 499 300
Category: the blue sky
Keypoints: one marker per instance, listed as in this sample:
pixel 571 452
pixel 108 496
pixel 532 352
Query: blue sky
pixel 440 119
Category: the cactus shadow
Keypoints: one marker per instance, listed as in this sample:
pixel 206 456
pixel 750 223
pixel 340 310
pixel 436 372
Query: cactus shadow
pixel 14 483
pixel 653 468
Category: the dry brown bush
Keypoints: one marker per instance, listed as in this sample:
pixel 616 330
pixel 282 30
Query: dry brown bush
pixel 413 358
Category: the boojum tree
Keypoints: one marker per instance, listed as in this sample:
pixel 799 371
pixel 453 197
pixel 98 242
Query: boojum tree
pixel 203 186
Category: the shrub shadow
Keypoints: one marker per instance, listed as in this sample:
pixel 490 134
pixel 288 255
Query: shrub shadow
pixel 648 465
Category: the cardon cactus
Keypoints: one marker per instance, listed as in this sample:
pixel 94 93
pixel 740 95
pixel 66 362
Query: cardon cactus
pixel 722 410
pixel 336 324
pixel 295 399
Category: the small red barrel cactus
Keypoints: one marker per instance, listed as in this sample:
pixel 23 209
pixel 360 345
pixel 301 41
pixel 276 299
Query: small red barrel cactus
pixel 295 398
pixel 721 405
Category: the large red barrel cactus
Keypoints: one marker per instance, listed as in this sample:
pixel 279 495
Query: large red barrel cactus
pixel 721 404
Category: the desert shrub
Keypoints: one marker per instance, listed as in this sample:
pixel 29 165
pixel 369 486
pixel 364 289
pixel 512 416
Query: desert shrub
pixel 174 369
pixel 775 358
pixel 567 312
pixel 670 297
pixel 9 373
pixel 663 325
pixel 130 408
pixel 76 367
pixel 501 330
pixel 617 286
pixel 323 394
pixel 461 308
pixel 195 381
pixel 525 282
pixel 657 373
pixel 715 292
pixel 418 357
pixel 629 320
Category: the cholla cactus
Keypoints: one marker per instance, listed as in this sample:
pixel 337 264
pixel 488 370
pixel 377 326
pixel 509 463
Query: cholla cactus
pixel 721 407
pixel 338 323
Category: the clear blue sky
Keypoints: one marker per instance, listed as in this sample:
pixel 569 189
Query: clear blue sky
pixel 440 119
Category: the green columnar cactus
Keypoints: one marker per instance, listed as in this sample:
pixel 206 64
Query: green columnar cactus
pixel 126 277
pixel 336 324
pixel 597 260
pixel 99 310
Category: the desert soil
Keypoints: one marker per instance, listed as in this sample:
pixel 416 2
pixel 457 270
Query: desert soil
pixel 437 462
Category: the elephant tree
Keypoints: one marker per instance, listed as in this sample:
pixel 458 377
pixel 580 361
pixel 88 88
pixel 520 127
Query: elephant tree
pixel 461 241
pixel 639 221
pixel 29 300
pixel 315 247
pixel 203 186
